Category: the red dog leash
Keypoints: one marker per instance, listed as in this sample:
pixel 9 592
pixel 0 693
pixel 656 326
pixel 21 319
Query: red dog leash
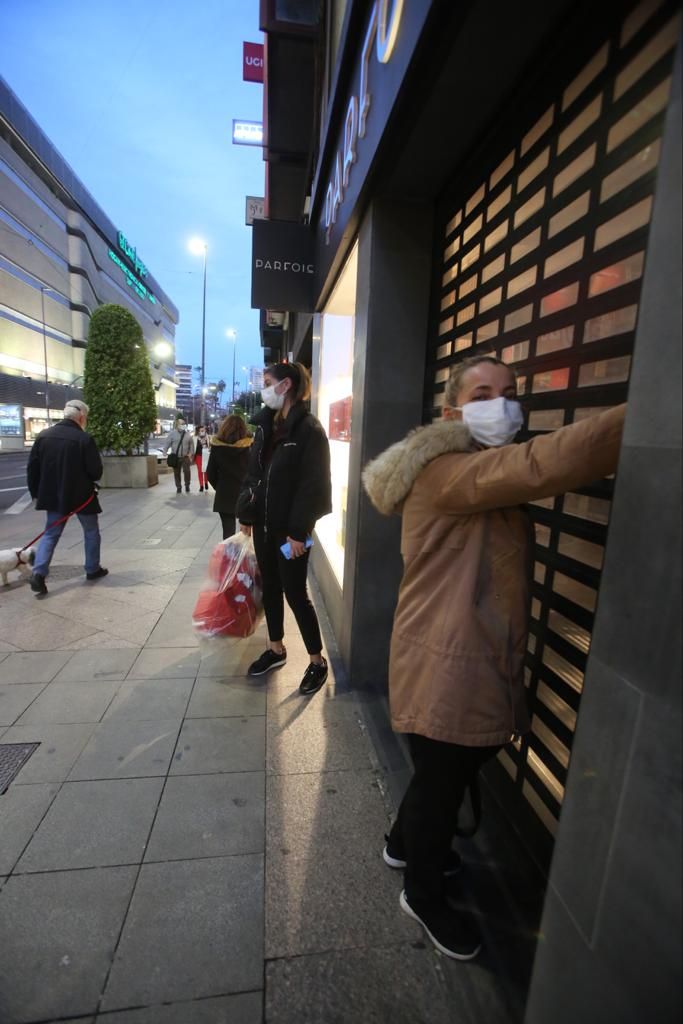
pixel 62 520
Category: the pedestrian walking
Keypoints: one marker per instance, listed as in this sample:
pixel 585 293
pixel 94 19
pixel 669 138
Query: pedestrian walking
pixel 288 488
pixel 181 449
pixel 456 684
pixel 227 468
pixel 201 455
pixel 62 471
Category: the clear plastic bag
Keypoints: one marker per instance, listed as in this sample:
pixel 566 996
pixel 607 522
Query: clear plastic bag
pixel 230 603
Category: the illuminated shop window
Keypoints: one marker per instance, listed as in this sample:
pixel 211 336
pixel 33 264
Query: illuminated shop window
pixel 335 404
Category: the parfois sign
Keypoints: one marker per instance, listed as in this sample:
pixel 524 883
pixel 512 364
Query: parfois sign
pixel 282 266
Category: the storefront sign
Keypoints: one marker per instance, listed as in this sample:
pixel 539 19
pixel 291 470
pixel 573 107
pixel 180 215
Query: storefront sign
pixel 382 31
pixel 131 280
pixel 132 254
pixel 386 47
pixel 255 209
pixel 247 133
pixel 282 266
pixel 252 62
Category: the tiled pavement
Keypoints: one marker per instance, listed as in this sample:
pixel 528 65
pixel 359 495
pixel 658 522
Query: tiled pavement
pixel 186 845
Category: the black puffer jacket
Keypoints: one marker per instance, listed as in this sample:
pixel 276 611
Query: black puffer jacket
pixel 295 489
pixel 226 471
pixel 62 469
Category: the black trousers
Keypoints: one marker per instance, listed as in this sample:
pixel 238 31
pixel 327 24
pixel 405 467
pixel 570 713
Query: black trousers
pixel 285 577
pixel 228 523
pixel 427 817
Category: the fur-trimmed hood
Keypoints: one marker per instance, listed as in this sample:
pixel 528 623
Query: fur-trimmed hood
pixel 244 442
pixel 389 478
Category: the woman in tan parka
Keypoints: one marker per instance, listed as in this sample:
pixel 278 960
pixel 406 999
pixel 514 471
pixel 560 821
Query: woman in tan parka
pixel 456 684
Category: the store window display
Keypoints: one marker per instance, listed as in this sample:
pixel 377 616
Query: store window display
pixel 334 405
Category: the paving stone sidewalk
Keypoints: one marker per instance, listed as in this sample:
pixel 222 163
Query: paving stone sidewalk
pixel 187 845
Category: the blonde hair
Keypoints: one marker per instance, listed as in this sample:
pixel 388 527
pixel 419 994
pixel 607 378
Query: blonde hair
pixel 299 376
pixel 455 381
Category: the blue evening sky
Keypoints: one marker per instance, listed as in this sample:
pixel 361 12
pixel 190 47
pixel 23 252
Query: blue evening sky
pixel 139 99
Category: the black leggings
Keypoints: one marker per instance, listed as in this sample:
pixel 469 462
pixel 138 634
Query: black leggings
pixel 228 524
pixel 428 814
pixel 282 576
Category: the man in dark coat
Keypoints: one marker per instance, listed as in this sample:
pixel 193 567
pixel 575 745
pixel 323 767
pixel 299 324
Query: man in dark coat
pixel 62 469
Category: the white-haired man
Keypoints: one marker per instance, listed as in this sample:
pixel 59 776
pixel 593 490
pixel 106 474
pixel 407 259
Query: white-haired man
pixel 62 470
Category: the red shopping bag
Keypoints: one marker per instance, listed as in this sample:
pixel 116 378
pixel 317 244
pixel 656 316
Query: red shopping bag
pixel 230 602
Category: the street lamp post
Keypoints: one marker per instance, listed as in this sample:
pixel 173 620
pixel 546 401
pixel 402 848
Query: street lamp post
pixel 232 334
pixel 199 248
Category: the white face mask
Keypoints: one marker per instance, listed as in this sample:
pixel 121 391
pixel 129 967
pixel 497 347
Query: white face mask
pixel 271 398
pixel 493 423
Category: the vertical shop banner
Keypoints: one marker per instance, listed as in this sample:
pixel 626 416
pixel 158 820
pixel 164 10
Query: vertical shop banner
pixel 255 209
pixel 252 62
pixel 282 266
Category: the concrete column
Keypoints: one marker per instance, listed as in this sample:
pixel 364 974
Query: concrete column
pixel 610 949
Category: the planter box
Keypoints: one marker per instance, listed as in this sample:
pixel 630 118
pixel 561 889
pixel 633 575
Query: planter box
pixel 129 471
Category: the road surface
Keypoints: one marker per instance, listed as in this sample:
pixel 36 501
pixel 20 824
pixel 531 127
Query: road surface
pixel 12 478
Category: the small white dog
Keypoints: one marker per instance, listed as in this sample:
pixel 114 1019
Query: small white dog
pixel 20 560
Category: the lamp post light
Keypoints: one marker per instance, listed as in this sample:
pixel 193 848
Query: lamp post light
pixel 198 247
pixel 162 350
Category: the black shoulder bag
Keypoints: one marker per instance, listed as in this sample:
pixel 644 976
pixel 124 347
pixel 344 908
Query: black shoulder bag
pixel 172 459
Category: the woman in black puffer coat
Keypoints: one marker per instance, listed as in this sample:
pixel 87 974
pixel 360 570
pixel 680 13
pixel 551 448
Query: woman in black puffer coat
pixel 227 468
pixel 288 488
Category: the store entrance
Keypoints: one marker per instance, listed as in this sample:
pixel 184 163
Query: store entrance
pixel 541 250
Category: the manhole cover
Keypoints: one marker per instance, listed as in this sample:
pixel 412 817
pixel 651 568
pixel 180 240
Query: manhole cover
pixel 13 756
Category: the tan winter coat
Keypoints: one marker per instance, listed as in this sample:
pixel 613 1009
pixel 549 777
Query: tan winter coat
pixel 461 623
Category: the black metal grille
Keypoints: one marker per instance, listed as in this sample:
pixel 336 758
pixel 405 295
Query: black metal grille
pixel 540 262
pixel 13 757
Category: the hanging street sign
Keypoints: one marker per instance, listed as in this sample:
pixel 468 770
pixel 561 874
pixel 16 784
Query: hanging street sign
pixel 255 209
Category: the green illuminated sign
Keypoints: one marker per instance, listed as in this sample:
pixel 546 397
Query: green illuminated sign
pixel 131 280
pixel 132 254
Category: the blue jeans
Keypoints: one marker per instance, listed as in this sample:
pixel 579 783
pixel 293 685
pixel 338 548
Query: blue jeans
pixel 48 543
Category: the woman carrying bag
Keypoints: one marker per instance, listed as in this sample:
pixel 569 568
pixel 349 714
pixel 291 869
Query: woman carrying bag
pixel 288 488
pixel 201 455
pixel 456 683
pixel 227 468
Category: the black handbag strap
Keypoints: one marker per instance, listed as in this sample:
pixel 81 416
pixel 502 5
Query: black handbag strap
pixel 177 451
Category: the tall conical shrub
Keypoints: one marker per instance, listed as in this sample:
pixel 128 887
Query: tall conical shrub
pixel 117 382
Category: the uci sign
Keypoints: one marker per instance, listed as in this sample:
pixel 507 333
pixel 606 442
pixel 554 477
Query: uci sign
pixel 382 30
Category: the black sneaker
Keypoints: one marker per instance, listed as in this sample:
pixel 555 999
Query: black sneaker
pixel 179 490
pixel 395 859
pixel 97 575
pixel 37 584
pixel 269 659
pixel 452 933
pixel 314 677
pixel 187 490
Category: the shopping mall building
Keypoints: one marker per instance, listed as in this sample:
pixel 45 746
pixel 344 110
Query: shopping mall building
pixel 60 258
pixel 445 179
